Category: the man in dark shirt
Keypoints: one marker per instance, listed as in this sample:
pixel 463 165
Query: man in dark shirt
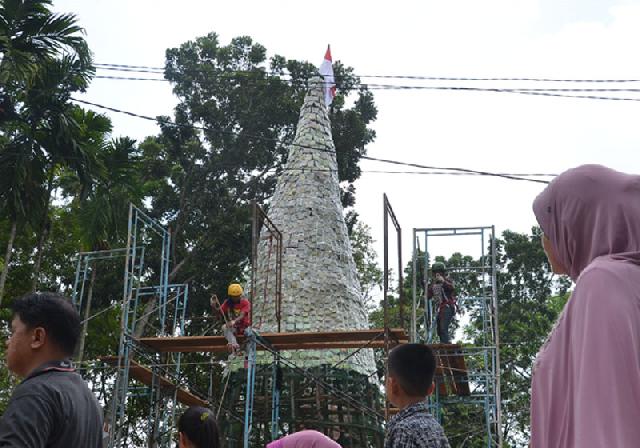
pixel 442 291
pixel 409 382
pixel 52 407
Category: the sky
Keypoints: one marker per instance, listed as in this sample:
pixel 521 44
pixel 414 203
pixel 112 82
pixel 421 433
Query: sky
pixel 499 132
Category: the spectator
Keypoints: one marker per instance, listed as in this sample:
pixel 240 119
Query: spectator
pixel 198 429
pixel 409 383
pixel 52 407
pixel 586 377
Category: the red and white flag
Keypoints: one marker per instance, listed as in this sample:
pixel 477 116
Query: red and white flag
pixel 326 70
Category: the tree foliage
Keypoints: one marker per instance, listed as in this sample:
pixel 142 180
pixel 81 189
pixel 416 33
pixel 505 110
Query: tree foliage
pixel 225 146
pixel 365 257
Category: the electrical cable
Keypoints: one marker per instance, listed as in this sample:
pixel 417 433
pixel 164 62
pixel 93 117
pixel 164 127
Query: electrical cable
pixel 316 148
pixel 151 69
pixel 549 92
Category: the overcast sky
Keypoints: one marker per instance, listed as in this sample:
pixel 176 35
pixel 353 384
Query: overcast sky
pixel 577 39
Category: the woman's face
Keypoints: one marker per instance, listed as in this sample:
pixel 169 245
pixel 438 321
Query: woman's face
pixel 556 266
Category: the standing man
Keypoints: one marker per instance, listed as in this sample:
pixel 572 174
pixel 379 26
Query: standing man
pixel 441 290
pixel 52 407
pixel 235 310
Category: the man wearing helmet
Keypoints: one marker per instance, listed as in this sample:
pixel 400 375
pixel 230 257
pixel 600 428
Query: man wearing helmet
pixel 235 310
pixel 441 290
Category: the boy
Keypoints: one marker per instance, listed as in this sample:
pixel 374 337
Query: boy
pixel 52 407
pixel 236 310
pixel 409 383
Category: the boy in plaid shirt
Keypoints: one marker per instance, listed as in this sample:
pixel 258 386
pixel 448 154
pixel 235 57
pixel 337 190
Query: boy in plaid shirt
pixel 409 383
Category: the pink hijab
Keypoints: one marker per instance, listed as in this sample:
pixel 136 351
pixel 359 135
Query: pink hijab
pixel 304 439
pixel 586 378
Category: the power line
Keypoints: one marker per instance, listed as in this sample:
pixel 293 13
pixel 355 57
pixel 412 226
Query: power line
pixel 414 87
pixel 327 170
pixel 549 92
pixel 455 174
pixel 129 78
pixel 151 69
pixel 315 148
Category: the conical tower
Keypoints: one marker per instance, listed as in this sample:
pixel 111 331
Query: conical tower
pixel 320 287
pixel 333 391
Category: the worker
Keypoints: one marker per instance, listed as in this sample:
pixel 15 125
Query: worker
pixel 236 312
pixel 442 290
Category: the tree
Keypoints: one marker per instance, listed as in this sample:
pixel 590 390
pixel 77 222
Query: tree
pixel 44 61
pixel 103 210
pixel 90 136
pixel 364 256
pixel 224 148
pixel 31 35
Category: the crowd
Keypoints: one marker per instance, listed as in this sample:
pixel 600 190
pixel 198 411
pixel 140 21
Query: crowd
pixel 585 388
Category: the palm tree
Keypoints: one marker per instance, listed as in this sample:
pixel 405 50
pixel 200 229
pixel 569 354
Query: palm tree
pixel 89 135
pixel 25 204
pixel 30 35
pixel 43 60
pixel 103 212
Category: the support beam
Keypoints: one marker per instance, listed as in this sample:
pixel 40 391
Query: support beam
pixel 145 376
pixel 281 341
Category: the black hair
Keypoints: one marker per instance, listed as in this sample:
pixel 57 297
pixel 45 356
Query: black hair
pixel 413 366
pixel 54 313
pixel 200 427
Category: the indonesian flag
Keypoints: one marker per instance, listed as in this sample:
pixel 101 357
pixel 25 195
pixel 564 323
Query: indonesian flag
pixel 326 70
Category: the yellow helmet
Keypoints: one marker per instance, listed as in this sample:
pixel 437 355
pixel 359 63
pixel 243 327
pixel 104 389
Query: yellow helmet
pixel 235 290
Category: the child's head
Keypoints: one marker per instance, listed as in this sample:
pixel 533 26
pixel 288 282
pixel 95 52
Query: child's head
pixel 198 429
pixel 411 370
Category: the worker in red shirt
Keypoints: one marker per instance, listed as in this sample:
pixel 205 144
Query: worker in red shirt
pixel 236 311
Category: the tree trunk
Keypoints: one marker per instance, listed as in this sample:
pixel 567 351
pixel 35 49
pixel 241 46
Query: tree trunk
pixel 7 258
pixel 44 233
pixel 85 318
pixel 144 319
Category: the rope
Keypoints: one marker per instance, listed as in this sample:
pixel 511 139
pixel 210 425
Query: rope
pixel 369 342
pixel 224 391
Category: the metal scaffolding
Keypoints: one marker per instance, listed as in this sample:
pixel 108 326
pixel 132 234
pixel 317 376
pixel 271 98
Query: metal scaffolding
pixel 276 397
pixel 483 355
pixel 150 306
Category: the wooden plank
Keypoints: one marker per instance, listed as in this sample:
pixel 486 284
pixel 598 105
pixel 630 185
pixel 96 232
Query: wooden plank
pixel 280 341
pixel 145 376
pixel 452 370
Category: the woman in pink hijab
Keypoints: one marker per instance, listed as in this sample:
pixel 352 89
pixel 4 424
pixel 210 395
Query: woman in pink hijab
pixel 304 439
pixel 586 378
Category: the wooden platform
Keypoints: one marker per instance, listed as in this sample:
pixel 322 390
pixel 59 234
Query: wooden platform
pixel 145 376
pixel 282 341
pixel 451 370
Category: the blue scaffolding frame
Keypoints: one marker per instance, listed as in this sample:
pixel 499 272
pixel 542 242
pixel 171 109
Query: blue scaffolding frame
pixel 168 304
pixel 485 379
